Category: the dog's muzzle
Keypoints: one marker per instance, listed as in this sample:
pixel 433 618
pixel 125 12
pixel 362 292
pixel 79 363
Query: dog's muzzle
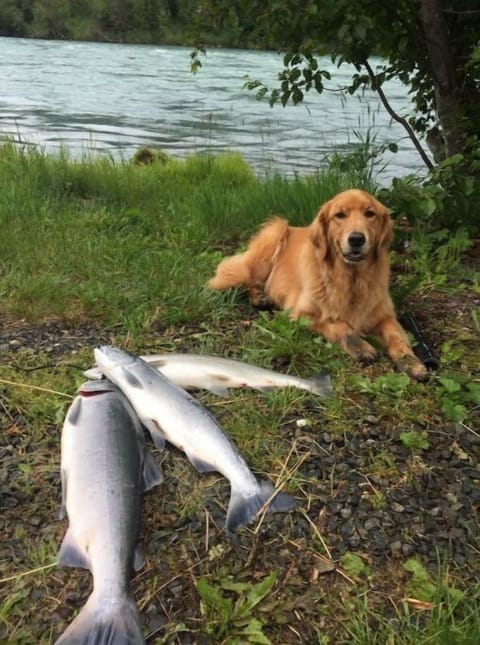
pixel 357 248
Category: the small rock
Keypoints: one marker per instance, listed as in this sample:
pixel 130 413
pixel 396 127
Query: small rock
pixel 371 523
pixel 156 622
pixel 397 508
pixel 407 549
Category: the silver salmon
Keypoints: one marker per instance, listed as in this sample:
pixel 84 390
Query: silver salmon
pixel 172 414
pixel 104 469
pixel 218 375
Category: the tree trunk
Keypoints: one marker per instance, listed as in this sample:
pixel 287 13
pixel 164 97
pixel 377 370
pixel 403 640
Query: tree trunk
pixel 443 73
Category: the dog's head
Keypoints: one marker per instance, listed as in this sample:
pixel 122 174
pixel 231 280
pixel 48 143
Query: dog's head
pixel 354 225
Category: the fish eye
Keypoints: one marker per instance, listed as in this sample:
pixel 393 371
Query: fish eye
pixel 370 212
pixel 340 215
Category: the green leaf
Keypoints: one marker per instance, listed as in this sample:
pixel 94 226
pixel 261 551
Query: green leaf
pixel 257 593
pixel 353 564
pixel 474 392
pixel 450 384
pixel 454 411
pixel 417 569
pixel 231 585
pixel 427 206
pixel 415 440
pixel 254 632
pixel 420 585
pixel 214 600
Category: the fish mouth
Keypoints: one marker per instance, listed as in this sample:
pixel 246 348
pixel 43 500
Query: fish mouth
pixel 354 257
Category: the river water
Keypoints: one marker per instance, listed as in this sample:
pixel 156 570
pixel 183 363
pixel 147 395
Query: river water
pixel 113 98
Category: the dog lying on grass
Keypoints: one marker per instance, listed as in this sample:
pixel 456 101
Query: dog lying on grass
pixel 335 272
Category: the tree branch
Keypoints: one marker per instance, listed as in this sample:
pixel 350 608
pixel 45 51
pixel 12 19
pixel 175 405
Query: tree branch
pixel 396 117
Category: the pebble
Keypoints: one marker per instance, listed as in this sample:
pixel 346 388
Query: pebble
pixel 371 523
pixel 397 509
pixel 407 549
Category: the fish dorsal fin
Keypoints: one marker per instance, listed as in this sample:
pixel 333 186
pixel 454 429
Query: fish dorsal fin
pixel 138 559
pixel 152 473
pixel 94 373
pixel 71 554
pixel 131 379
pixel 74 411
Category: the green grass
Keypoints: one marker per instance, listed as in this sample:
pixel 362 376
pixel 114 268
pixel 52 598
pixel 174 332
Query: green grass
pixel 114 241
pixel 127 250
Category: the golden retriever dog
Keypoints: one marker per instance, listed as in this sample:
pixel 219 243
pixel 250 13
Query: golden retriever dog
pixel 335 272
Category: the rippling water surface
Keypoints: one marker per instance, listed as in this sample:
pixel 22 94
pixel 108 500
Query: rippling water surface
pixel 112 98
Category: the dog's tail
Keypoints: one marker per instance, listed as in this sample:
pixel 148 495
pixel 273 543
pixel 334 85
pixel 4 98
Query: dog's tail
pixel 231 272
pixel 253 267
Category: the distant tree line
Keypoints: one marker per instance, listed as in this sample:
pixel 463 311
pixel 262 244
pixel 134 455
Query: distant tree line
pixel 135 21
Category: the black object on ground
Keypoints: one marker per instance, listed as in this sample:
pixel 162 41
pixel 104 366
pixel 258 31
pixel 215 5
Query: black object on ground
pixel 422 349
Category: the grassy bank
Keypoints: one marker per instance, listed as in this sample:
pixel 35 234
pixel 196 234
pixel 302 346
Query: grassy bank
pixel 114 241
pixel 384 546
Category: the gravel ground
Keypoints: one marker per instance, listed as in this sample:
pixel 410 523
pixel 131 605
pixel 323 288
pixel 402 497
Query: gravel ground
pixel 365 493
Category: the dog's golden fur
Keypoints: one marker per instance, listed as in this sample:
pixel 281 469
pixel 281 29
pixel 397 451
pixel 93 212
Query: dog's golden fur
pixel 335 272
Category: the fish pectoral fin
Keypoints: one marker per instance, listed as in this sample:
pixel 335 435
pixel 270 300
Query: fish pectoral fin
pixel 219 390
pixel 263 388
pixel 71 554
pixel 62 513
pixel 73 414
pixel 200 464
pixel 152 473
pixel 138 559
pixel 155 432
pixel 131 379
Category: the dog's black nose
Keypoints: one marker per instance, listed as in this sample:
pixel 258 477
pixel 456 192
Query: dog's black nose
pixel 356 240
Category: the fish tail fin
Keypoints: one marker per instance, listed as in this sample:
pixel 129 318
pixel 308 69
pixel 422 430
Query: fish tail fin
pixel 105 623
pixel 321 384
pixel 242 510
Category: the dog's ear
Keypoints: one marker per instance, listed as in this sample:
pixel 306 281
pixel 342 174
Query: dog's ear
pixel 385 236
pixel 386 231
pixel 319 230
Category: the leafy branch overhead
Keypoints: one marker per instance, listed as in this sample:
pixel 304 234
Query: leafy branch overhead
pixel 429 46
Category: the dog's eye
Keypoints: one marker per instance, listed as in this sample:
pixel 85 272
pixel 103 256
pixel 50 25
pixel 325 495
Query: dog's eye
pixel 340 215
pixel 370 213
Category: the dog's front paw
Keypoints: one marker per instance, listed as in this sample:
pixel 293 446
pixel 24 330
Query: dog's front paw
pixel 360 349
pixel 259 299
pixel 413 367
